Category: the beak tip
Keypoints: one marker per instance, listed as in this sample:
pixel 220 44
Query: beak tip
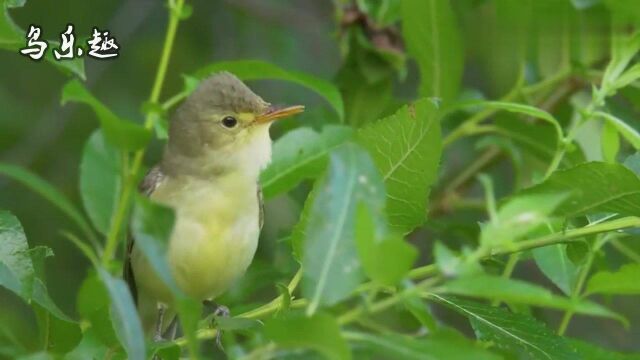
pixel 274 113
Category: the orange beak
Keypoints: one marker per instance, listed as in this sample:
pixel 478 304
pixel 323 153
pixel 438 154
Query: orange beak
pixel 273 114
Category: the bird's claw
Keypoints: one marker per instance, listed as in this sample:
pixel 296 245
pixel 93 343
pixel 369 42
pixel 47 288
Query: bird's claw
pixel 218 311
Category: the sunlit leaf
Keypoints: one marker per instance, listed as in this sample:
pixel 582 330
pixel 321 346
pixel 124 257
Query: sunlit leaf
pixel 406 148
pixel 331 268
pixel 623 282
pixel 122 133
pixel 300 154
pixel 100 180
pixel 431 33
pixel 260 70
pixel 321 333
pixel 513 332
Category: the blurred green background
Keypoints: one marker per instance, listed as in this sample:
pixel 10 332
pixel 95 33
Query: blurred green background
pixel 39 134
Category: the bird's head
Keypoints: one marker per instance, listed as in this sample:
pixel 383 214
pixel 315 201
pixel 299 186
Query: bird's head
pixel 223 126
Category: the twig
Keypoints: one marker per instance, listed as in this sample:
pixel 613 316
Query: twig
pixel 123 203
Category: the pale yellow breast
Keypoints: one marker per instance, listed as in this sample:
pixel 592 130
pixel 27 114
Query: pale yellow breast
pixel 214 238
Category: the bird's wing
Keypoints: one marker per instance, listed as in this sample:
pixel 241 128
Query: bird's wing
pixel 148 185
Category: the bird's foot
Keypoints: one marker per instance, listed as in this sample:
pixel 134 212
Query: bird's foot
pixel 218 311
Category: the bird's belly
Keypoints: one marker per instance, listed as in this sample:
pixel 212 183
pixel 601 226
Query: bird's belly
pixel 206 259
pixel 212 244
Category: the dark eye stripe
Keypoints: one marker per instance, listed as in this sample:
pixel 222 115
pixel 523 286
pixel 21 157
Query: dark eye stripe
pixel 229 122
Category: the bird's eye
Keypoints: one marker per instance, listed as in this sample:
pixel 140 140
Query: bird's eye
pixel 229 122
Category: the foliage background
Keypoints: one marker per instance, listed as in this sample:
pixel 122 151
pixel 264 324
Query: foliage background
pixel 496 38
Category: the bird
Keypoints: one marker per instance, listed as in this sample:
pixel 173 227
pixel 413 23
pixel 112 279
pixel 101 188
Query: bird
pixel 218 143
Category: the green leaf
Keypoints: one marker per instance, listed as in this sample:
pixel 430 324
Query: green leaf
pixel 151 226
pixel 442 345
pixel 431 34
pixel 385 259
pixel 73 66
pixel 124 316
pixel 300 154
pixel 319 332
pixel 632 162
pixel 17 272
pixel 629 77
pixel 553 52
pixel 623 48
pixel 93 305
pixel 89 347
pixel 260 70
pixel 100 180
pixel 610 142
pixel 520 216
pixel 37 356
pixel 418 308
pixel 588 351
pixel 521 292
pixel 384 12
pixel 584 4
pixel 60 336
pixel 554 262
pixel 299 232
pixel 331 269
pixel 622 282
pixel 536 138
pixel 451 264
pixel 406 148
pixel 627 132
pixel 14 253
pixel 47 191
pixel 512 332
pixel 519 109
pixel 595 187
pixel 124 134
pixel 13 38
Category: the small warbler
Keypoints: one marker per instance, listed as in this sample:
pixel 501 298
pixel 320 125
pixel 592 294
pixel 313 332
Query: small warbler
pixel 218 144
